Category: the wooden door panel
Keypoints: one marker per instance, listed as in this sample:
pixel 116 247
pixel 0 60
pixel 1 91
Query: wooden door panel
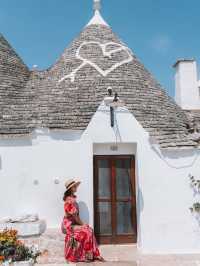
pixel 104 179
pixel 122 177
pixel 105 222
pixel 114 199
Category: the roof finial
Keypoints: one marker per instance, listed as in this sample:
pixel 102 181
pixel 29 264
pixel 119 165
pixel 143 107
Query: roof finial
pixel 97 18
pixel 97 5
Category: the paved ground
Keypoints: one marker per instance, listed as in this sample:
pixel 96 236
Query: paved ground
pixel 52 243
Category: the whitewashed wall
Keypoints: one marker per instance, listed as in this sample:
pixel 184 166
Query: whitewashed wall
pixel 164 196
pixel 44 161
pixel 186 85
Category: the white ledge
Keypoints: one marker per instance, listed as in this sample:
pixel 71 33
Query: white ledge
pixel 28 229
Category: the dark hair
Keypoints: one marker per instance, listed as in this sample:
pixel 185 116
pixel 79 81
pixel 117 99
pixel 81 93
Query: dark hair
pixel 67 193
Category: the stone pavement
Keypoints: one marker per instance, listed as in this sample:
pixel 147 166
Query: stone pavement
pixel 52 244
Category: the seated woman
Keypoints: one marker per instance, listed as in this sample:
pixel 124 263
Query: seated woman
pixel 80 242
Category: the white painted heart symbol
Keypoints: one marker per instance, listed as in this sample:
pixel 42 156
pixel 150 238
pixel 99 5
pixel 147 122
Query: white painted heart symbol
pixel 106 53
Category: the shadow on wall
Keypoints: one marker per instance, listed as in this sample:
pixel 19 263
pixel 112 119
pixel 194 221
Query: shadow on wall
pixel 69 135
pixel 181 153
pixel 189 157
pixel 63 135
pixel 140 207
pixel 84 212
pixel 15 142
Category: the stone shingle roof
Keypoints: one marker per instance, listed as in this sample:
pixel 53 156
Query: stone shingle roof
pixel 194 119
pixel 54 100
pixel 15 98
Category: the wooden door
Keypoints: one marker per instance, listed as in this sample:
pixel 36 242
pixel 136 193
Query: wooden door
pixel 115 199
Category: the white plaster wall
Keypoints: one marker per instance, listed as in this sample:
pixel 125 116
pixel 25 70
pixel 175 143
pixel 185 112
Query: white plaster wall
pixel 166 224
pixel 186 82
pixel 164 196
pixel 114 148
pixel 44 160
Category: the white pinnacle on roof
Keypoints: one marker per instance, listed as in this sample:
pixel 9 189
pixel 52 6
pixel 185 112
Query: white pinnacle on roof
pixel 97 18
pixel 97 5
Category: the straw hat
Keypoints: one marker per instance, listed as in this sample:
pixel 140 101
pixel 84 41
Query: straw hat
pixel 72 182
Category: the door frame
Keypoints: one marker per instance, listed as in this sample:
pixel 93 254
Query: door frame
pixel 120 239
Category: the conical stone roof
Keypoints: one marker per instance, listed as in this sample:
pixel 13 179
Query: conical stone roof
pixel 15 98
pixel 67 95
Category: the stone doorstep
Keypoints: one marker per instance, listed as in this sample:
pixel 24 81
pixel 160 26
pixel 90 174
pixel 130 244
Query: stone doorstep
pixel 94 264
pixel 119 255
pixel 63 264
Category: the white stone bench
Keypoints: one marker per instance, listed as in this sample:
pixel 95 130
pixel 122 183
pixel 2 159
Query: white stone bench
pixel 26 229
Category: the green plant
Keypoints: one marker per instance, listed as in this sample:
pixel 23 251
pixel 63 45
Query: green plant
pixel 195 183
pixel 12 249
pixel 195 207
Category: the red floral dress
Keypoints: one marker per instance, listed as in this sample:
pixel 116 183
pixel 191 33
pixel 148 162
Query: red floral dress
pixel 80 242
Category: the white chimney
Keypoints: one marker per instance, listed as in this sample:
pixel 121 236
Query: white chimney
pixel 187 93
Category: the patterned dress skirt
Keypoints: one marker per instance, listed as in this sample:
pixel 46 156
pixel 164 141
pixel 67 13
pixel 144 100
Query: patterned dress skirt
pixel 80 242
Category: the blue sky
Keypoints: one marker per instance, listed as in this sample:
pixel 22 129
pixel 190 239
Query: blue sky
pixel 158 31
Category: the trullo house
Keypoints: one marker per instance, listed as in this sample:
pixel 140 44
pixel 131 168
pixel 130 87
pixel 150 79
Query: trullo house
pixel 99 115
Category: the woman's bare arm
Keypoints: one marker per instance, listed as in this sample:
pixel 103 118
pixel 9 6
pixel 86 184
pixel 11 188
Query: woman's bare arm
pixel 78 220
